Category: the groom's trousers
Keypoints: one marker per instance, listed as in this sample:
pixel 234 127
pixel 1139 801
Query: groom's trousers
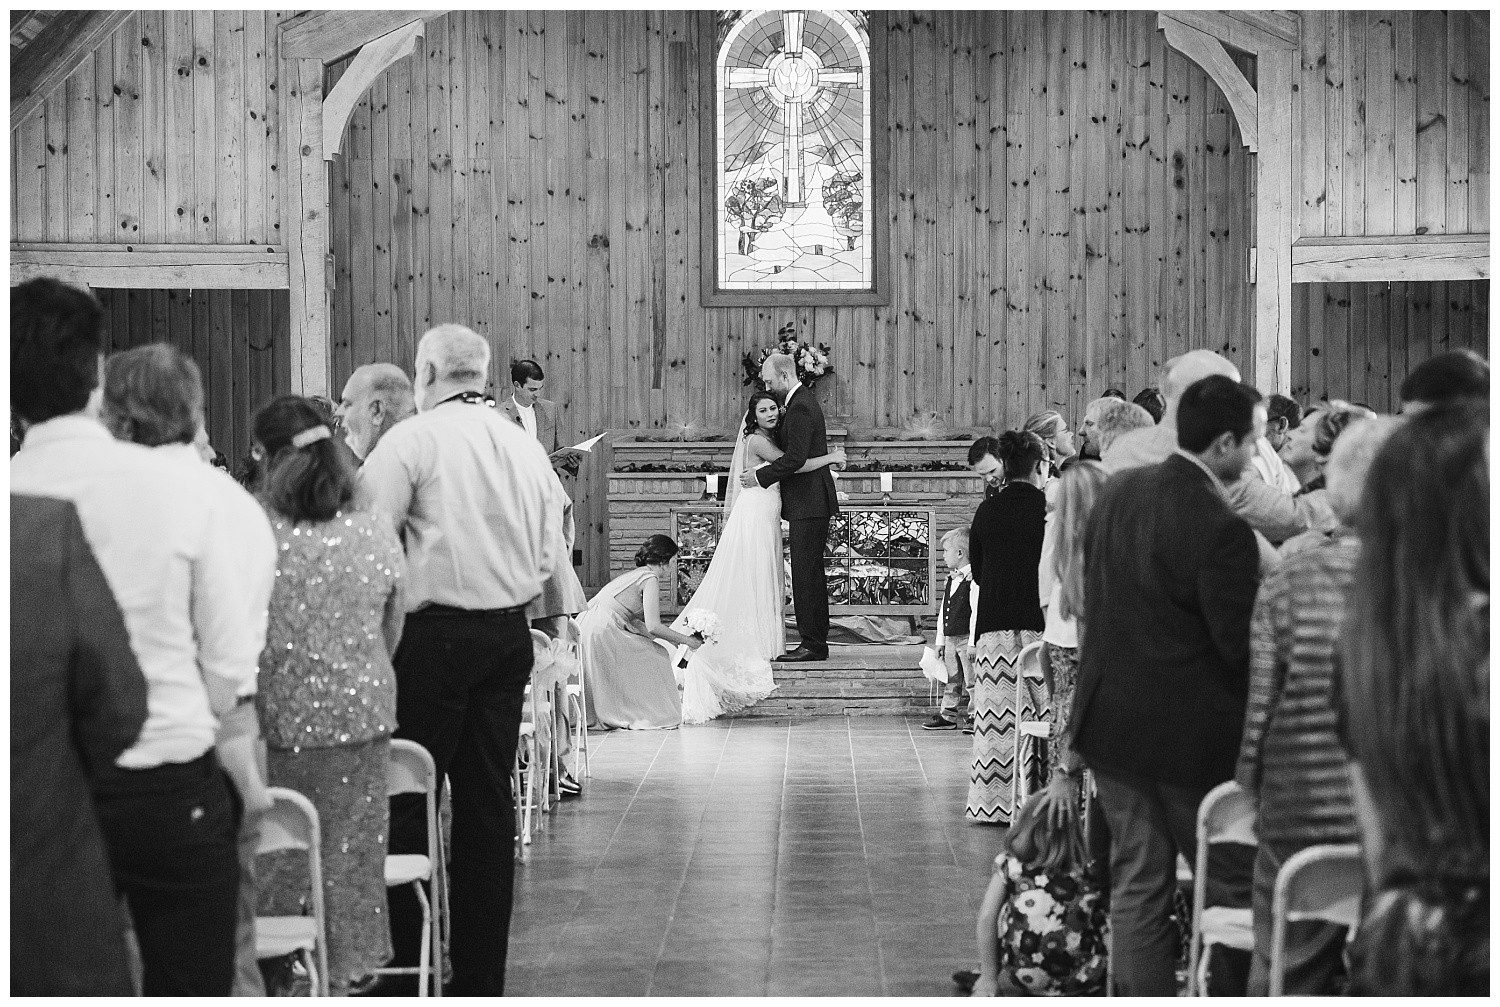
pixel 809 537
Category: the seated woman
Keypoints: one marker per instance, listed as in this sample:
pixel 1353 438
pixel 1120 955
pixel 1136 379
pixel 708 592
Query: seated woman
pixel 629 676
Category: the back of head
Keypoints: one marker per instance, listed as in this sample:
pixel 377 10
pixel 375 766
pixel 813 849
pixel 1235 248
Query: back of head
pixel 1037 845
pixel 1213 406
pixel 1113 393
pixel 309 474
pixel 1332 421
pixel 783 366
pixel 457 353
pixel 55 345
pixel 656 550
pixel 1044 424
pixel 391 385
pixel 153 395
pixel 1350 460
pixel 1117 417
pixel 522 371
pixel 1152 400
pixel 1457 374
pixel 1194 366
pixel 1280 407
pixel 1078 489
pixel 1416 643
pixel 1020 452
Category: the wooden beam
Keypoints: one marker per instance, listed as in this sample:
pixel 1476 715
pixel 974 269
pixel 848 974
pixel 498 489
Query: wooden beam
pixel 304 209
pixel 66 41
pixel 1208 52
pixel 1231 28
pixel 374 59
pixel 329 35
pixel 1391 258
pixel 1276 202
pixel 153 267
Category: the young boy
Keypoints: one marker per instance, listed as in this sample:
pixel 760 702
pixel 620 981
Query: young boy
pixel 953 635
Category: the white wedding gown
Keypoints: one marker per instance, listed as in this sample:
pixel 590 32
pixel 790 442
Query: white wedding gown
pixel 745 587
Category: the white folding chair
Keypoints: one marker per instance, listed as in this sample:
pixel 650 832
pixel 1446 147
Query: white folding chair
pixel 292 824
pixel 1227 815
pixel 412 771
pixel 1028 666
pixel 531 787
pixel 575 705
pixel 1319 883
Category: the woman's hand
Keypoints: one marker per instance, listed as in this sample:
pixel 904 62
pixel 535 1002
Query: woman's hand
pixel 1059 800
pixel 839 457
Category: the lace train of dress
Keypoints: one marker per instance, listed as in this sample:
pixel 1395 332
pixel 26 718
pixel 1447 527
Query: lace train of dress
pixel 744 586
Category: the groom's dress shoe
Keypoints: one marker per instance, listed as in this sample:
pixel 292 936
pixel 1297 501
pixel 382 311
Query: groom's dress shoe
pixel 803 654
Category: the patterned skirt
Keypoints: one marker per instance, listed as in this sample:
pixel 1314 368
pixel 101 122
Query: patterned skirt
pixel 347 785
pixel 994 707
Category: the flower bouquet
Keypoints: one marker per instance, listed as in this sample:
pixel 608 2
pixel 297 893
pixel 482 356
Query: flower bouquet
pixel 812 360
pixel 703 624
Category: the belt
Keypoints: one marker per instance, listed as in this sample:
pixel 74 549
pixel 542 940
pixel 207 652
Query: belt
pixel 450 610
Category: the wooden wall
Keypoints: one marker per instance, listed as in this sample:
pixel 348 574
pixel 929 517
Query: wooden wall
pixel 1394 112
pixel 1068 208
pixel 167 134
pixel 239 339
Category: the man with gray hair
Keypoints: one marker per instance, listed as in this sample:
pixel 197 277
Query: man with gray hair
pixel 376 397
pixel 479 510
pixel 153 396
pixel 1114 418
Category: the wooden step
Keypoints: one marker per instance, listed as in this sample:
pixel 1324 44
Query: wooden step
pixel 854 681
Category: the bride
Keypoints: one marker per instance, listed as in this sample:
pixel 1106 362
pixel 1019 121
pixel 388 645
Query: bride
pixel 745 581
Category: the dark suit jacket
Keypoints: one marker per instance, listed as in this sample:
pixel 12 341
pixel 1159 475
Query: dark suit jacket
pixel 77 700
pixel 546 420
pixel 1170 577
pixel 802 434
pixel 1005 550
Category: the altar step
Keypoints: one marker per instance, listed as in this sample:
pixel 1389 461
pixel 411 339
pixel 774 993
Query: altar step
pixel 854 681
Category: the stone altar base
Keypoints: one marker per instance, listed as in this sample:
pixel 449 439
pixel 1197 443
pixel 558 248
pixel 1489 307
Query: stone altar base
pixel 855 681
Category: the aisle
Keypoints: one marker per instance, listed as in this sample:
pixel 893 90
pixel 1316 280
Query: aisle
pixel 826 856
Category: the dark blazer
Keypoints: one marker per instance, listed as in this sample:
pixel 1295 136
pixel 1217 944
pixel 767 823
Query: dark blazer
pixel 77 700
pixel 802 434
pixel 1170 576
pixel 1005 550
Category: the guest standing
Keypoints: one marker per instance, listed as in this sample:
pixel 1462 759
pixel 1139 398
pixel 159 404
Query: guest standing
pixel 1170 578
pixel 1050 426
pixel 153 396
pixel 1306 452
pixel 327 696
pixel 480 513
pixel 1444 378
pixel 1005 550
pixel 1415 695
pixel 630 678
pixel 1291 760
pixel 166 807
pixel 376 397
pixel 77 700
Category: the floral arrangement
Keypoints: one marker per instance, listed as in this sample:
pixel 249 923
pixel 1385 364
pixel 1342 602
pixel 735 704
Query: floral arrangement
pixel 812 360
pixel 704 623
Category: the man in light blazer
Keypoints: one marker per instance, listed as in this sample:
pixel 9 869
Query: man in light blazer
pixel 526 405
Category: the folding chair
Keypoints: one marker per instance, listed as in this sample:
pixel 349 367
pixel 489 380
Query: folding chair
pixel 1028 666
pixel 531 787
pixel 575 704
pixel 1319 883
pixel 292 824
pixel 1227 815
pixel 412 771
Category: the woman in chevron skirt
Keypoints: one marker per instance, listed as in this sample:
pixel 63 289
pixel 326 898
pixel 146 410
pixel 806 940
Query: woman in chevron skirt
pixel 1005 549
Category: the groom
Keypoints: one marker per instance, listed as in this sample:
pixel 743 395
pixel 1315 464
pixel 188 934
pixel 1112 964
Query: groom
pixel 808 500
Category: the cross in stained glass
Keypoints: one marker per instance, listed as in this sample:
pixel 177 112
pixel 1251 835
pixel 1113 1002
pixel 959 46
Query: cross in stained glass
pixel 793 76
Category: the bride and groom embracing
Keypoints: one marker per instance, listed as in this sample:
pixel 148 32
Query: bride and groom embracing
pixel 780 470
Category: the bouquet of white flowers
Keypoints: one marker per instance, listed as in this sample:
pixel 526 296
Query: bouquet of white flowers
pixel 704 623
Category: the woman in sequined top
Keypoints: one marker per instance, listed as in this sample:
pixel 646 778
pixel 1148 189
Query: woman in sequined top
pixel 327 694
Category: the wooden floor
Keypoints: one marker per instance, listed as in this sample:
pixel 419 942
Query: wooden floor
pixel 809 856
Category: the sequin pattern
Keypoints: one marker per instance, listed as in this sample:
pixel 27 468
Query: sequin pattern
pixel 325 675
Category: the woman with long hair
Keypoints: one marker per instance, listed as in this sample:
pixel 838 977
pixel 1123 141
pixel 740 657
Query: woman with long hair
pixel 629 675
pixel 327 692
pixel 1050 426
pixel 1415 693
pixel 1005 551
pixel 744 584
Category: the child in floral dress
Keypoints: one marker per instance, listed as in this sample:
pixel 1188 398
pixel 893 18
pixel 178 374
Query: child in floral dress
pixel 1044 919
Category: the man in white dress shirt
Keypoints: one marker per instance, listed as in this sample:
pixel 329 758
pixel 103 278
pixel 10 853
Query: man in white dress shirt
pixel 153 396
pixel 165 808
pixel 376 397
pixel 480 513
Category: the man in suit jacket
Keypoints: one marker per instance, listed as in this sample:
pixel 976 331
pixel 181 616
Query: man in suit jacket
pixel 1170 580
pixel 77 700
pixel 527 407
pixel 808 500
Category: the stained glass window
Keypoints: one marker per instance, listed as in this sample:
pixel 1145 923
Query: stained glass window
pixel 794 146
